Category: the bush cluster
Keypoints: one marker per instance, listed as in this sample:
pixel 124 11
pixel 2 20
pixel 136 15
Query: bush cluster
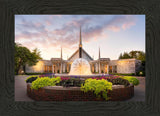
pixel 131 79
pixel 72 82
pixel 124 74
pixel 99 87
pixel 119 81
pixel 45 81
pixel 30 79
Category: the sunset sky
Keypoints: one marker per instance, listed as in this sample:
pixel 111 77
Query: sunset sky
pixel 114 34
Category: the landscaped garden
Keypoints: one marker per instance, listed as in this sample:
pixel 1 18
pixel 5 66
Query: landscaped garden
pixel 73 88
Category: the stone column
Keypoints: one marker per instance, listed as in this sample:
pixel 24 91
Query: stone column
pixel 61 70
pixel 67 67
pixel 99 67
pixel 92 68
pixel 107 69
pixel 56 68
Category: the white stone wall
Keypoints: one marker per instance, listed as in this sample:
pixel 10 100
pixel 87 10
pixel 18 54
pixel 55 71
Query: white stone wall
pixel 126 66
pixel 38 68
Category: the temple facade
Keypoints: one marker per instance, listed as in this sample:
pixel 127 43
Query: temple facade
pixel 101 65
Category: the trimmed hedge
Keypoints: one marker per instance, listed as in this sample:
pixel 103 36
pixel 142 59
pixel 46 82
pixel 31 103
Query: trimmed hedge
pixel 128 74
pixel 119 81
pixel 131 79
pixel 37 73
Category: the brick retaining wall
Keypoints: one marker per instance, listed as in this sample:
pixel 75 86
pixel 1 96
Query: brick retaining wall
pixel 59 93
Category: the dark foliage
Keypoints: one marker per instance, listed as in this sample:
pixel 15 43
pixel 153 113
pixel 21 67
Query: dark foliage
pixel 71 83
pixel 125 74
pixel 30 80
pixel 119 81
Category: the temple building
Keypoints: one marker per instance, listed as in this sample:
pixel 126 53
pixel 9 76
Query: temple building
pixel 101 65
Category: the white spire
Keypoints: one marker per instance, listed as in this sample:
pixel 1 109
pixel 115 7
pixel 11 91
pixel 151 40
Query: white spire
pixel 80 38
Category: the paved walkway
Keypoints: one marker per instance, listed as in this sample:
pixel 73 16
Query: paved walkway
pixel 21 94
pixel 139 91
pixel 21 88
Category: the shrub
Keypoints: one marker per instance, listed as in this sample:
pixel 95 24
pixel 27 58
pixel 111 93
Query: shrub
pixel 99 87
pixel 34 73
pixel 45 81
pixel 119 81
pixel 124 74
pixel 131 79
pixel 30 79
pixel 71 82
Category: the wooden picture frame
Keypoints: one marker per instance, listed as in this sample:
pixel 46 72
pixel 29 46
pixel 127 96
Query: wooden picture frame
pixel 9 107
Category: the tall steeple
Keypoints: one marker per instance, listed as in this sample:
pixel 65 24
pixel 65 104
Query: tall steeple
pixel 80 38
pixel 80 45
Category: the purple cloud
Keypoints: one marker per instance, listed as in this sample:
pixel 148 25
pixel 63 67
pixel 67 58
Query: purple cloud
pixel 38 34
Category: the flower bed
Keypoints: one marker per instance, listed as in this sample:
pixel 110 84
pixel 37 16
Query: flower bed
pixel 90 89
pixel 60 93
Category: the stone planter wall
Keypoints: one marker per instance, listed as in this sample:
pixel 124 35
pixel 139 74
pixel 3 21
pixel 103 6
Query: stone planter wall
pixel 59 93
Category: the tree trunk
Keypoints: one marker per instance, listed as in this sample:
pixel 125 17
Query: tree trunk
pixel 24 69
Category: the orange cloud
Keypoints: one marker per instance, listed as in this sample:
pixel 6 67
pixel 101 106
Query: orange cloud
pixel 127 25
pixel 114 28
pixel 36 34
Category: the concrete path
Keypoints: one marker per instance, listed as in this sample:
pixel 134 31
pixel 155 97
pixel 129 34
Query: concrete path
pixel 21 88
pixel 21 94
pixel 139 91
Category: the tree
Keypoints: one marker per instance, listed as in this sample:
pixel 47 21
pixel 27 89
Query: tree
pixel 139 55
pixel 133 54
pixel 24 56
pixel 125 55
pixel 120 56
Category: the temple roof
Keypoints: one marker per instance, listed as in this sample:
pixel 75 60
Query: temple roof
pixel 78 51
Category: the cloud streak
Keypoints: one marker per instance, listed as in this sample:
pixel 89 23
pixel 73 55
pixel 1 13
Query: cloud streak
pixel 43 34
